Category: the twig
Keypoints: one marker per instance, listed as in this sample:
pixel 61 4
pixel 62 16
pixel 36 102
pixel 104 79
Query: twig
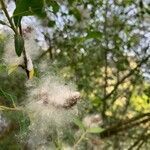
pixel 47 38
pixel 8 17
pixel 139 147
pixel 138 140
pixel 124 125
pixel 125 77
pixel 24 53
pixel 80 139
pixel 10 108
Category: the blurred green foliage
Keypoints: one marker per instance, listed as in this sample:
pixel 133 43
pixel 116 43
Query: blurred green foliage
pixel 102 52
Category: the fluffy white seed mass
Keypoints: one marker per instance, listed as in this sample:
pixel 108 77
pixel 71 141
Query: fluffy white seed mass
pixel 93 120
pixel 51 106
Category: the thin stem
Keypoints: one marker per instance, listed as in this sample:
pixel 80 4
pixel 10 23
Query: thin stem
pixel 8 17
pixel 80 139
pixel 10 108
pixel 24 53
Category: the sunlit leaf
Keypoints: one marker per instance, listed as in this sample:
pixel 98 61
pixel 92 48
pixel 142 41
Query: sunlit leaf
pixel 12 68
pixel 95 130
pixel 94 34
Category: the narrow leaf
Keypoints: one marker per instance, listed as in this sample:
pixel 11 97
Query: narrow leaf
pixel 7 96
pixel 12 68
pixel 19 44
pixel 95 130
pixel 79 123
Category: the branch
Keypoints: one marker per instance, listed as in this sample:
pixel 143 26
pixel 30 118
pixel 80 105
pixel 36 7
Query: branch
pixel 10 108
pixel 138 140
pixel 127 124
pixel 41 56
pixel 48 39
pixel 28 64
pixel 8 17
pixel 139 147
pixel 127 76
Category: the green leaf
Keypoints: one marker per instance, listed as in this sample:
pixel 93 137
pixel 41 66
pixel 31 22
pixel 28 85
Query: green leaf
pixel 51 23
pixel 141 4
pixel 76 13
pixel 22 9
pixel 7 96
pixel 79 123
pixel 94 35
pixel 95 130
pixel 12 68
pixel 37 8
pixel 26 8
pixel 54 5
pixel 71 2
pixel 19 44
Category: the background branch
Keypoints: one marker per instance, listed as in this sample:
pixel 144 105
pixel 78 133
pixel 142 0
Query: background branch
pixel 125 125
pixel 144 60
